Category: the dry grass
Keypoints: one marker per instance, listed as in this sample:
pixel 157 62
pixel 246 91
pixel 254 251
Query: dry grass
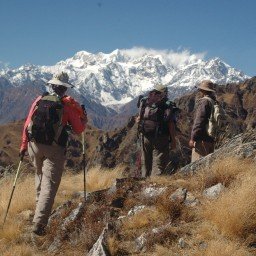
pixel 143 219
pixel 23 199
pixel 12 240
pixel 98 179
pixel 226 225
pixel 224 171
pixel 19 250
pixel 236 215
pixel 161 250
pixel 214 248
pixel 222 248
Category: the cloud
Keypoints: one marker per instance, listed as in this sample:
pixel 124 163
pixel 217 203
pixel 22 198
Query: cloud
pixel 169 57
pixel 4 65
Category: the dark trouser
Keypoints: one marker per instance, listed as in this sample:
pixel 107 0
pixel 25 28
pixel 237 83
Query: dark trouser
pixel 155 154
pixel 201 149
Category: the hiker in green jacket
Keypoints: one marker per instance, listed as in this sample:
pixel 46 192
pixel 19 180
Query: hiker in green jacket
pixel 157 129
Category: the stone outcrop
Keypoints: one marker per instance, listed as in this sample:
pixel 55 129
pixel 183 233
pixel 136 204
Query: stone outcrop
pixel 241 146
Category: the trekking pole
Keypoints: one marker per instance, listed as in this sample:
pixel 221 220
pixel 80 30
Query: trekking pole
pixel 13 188
pixel 84 167
pixel 180 148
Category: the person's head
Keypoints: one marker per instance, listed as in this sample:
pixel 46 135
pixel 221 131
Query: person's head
pixel 160 91
pixel 60 83
pixel 206 87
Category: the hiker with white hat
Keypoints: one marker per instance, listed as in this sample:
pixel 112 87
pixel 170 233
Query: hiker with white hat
pixel 45 137
pixel 201 143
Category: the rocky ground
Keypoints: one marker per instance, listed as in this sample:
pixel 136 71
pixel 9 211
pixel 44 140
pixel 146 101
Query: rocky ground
pixel 167 215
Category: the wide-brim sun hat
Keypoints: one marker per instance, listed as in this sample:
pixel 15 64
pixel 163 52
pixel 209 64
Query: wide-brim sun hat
pixel 206 85
pixel 61 79
pixel 160 88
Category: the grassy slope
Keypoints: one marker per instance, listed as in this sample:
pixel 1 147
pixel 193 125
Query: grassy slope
pixel 225 225
pixel 14 238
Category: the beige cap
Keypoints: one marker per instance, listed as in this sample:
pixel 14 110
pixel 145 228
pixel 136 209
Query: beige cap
pixel 160 88
pixel 61 79
pixel 206 85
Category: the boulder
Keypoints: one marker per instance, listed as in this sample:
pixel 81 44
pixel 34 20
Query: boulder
pixel 100 247
pixel 240 146
pixel 179 195
pixel 214 191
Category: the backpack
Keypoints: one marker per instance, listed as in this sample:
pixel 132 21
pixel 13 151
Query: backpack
pixel 217 118
pixel 46 122
pixel 154 116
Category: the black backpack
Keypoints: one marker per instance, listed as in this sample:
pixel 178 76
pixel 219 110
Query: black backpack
pixel 154 117
pixel 46 122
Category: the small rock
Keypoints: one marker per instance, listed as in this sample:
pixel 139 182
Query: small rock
pixel 203 245
pixel 252 245
pixel 151 192
pixel 191 200
pixel 78 194
pixel 213 191
pixel 64 192
pixel 179 195
pixel 74 215
pixel 140 242
pixel 136 209
pixel 99 248
pixel 118 202
pixel 96 196
pixel 26 215
pixel 121 217
pixel 182 244
pixel 112 189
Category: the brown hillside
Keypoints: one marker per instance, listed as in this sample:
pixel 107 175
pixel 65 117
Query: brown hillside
pixel 10 139
pixel 239 101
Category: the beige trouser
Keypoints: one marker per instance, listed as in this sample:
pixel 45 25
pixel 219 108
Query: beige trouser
pixel 201 149
pixel 49 163
pixel 155 155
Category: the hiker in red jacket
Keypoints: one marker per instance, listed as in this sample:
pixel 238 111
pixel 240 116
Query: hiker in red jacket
pixel 44 137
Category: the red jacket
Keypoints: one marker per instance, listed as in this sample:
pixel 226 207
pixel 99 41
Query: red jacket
pixel 73 115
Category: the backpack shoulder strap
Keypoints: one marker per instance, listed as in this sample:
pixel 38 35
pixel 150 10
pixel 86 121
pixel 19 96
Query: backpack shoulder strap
pixel 213 102
pixel 53 98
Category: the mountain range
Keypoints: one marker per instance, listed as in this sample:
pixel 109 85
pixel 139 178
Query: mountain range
pixel 107 83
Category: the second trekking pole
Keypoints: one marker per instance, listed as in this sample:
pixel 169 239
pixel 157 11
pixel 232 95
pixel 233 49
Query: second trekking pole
pixel 13 188
pixel 84 166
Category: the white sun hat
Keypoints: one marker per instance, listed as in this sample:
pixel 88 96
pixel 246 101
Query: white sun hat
pixel 61 79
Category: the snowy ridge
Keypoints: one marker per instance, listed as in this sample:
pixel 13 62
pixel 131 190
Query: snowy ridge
pixel 120 76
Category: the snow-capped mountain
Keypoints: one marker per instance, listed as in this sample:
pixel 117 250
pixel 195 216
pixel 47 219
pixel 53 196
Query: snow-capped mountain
pixel 120 76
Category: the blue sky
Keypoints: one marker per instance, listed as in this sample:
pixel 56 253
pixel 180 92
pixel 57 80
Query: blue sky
pixel 46 31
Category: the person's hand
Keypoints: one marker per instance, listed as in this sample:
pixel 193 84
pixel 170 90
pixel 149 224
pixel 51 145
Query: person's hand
pixel 137 119
pixel 192 143
pixel 22 153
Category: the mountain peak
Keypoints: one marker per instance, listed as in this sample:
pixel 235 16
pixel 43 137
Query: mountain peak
pixel 120 76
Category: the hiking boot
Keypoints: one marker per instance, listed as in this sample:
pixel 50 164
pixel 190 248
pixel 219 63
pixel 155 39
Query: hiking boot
pixel 39 229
